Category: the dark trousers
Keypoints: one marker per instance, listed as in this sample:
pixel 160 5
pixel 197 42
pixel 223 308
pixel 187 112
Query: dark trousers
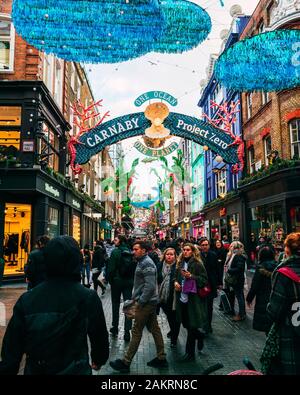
pixel 231 298
pixel 116 292
pixel 193 334
pixel 173 323
pixel 97 282
pixel 239 294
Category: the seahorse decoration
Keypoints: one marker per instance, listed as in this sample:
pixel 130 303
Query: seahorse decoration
pixel 224 119
pixel 82 116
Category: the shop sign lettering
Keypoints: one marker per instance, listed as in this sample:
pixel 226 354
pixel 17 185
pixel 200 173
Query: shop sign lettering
pixel 76 204
pixel 52 190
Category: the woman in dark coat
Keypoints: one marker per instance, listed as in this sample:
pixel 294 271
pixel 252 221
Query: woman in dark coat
pixel 283 307
pixel 261 289
pixel 191 310
pixel 166 292
pixel 235 267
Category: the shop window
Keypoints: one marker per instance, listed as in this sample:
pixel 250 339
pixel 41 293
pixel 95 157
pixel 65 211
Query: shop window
pixel 295 218
pixel 50 148
pixel 251 156
pixel 7 44
pixel 17 234
pixel 267 149
pixel 221 182
pixel 10 122
pixel 53 222
pixel 76 228
pixel 295 138
pixel 267 221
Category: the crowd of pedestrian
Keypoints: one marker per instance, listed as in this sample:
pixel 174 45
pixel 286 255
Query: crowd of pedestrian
pixel 179 278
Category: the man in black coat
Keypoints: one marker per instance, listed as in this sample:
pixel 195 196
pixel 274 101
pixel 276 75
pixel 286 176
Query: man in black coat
pixel 35 269
pixel 210 261
pixel 51 322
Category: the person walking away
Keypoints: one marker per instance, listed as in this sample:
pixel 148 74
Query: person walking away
pixel 98 263
pixel 221 253
pixel 235 267
pixel 51 323
pixel 283 307
pixel 35 270
pixel 120 274
pixel 86 265
pixel 261 289
pixel 210 261
pixel 252 250
pixel 191 310
pixel 166 293
pixel 146 295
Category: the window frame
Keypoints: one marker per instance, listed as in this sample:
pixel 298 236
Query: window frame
pixel 266 153
pixel 11 40
pixel 251 158
pixel 53 161
pixel 294 143
pixel 221 177
pixel 249 100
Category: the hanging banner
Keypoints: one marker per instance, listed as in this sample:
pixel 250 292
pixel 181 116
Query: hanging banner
pixel 155 153
pixel 158 95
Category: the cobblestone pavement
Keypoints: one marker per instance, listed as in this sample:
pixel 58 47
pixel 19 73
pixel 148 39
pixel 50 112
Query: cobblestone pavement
pixel 229 343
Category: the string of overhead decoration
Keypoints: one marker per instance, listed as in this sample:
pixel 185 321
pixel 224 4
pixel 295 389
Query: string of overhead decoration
pixel 266 62
pixel 106 31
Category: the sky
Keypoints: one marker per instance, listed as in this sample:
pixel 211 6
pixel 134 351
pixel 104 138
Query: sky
pixel 180 75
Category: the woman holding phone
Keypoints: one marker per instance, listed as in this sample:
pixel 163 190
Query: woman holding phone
pixel 191 310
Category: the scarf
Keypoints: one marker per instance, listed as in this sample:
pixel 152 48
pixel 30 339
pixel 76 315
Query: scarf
pixel 164 290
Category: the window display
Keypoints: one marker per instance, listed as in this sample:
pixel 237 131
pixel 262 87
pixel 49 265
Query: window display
pixel 76 228
pixel 53 223
pixel 16 237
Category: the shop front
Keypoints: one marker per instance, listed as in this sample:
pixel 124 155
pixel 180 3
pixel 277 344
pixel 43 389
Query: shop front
pixel 73 216
pixel 106 230
pixel 272 206
pixel 225 221
pixel 198 226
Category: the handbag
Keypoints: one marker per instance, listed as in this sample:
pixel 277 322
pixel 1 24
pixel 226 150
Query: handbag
pixel 189 286
pixel 230 280
pixel 205 291
pixel 129 309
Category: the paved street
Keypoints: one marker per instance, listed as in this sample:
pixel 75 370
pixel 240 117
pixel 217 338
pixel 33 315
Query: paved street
pixel 229 343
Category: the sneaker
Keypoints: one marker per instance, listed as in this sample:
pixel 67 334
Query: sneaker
pixel 187 358
pixel 158 363
pixel 114 331
pixel 120 365
pixel 127 336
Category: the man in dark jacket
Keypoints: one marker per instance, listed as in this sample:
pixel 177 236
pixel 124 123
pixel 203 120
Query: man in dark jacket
pixel 35 269
pixel 121 284
pixel 51 322
pixel 210 261
pixel 146 295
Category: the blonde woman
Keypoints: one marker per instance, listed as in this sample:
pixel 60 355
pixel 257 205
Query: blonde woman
pixel 166 292
pixel 234 270
pixel 191 310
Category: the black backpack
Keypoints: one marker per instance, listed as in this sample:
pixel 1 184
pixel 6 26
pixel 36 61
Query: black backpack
pixel 127 265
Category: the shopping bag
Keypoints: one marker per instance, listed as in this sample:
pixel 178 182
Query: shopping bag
pixel 225 302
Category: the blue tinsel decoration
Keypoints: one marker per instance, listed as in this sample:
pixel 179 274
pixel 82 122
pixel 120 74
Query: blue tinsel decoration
pixel 94 31
pixel 187 25
pixel 267 62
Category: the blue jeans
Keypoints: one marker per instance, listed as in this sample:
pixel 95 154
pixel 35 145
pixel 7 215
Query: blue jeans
pixel 239 294
pixel 85 270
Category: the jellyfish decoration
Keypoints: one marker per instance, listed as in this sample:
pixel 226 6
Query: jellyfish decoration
pixel 187 26
pixel 266 62
pixel 93 31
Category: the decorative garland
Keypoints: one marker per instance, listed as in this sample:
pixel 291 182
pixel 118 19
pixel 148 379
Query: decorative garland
pixel 187 25
pixel 107 31
pixel 266 62
pixel 95 31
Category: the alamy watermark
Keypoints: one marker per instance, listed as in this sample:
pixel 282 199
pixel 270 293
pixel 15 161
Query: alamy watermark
pixel 296 57
pixel 296 316
pixel 2 314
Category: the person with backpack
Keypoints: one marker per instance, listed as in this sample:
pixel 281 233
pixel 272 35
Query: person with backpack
pixel 120 274
pixel 35 270
pixel 51 322
pixel 283 310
